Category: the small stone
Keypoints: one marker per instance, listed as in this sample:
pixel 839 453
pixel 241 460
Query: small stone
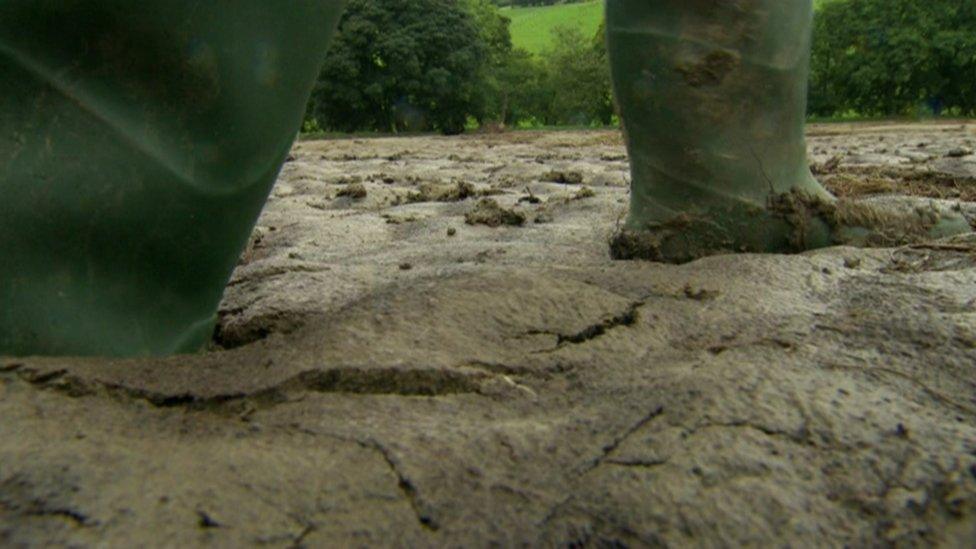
pixel 405 266
pixel 852 262
pixel 451 231
pixel 206 521
pixel 959 152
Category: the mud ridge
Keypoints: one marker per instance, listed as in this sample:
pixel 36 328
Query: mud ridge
pixel 347 380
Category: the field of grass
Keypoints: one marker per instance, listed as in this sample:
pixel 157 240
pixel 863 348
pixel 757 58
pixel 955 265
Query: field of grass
pixel 532 27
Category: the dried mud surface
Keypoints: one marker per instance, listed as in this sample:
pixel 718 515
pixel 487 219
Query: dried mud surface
pixel 390 374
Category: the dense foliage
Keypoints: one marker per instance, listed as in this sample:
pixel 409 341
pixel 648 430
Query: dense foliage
pixel 893 57
pixel 402 65
pixel 577 80
pixel 418 65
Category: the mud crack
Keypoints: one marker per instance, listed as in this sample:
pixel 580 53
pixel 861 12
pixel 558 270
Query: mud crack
pixel 612 446
pixel 642 463
pixel 594 331
pixel 37 507
pixel 604 458
pixel 79 520
pixel 801 438
pixel 301 537
pixel 407 488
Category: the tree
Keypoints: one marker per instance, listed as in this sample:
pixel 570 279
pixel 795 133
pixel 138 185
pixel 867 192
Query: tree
pixel 578 79
pixel 402 65
pixel 522 88
pixel 494 31
pixel 888 57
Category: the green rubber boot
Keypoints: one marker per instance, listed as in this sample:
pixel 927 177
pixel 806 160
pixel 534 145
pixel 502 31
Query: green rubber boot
pixel 138 144
pixel 713 99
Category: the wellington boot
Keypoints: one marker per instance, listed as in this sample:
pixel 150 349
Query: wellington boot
pixel 138 144
pixel 713 98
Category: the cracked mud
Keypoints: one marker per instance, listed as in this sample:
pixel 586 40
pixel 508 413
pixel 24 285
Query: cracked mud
pixel 516 385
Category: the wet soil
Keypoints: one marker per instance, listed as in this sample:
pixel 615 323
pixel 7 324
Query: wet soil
pixel 515 385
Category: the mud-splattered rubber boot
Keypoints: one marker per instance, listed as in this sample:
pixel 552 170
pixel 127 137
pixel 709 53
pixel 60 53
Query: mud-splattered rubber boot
pixel 713 98
pixel 138 144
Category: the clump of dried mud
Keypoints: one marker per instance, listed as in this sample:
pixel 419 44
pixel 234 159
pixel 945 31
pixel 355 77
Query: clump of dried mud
pixel 517 386
pixel 488 212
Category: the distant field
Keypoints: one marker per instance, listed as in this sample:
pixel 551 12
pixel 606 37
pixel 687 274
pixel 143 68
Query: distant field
pixel 532 27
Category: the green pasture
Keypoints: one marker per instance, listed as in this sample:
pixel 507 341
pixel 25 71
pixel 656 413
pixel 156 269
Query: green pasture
pixel 532 27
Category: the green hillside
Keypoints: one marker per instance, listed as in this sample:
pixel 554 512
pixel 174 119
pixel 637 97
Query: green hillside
pixel 532 27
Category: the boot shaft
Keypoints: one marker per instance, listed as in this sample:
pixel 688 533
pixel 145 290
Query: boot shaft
pixel 138 144
pixel 713 95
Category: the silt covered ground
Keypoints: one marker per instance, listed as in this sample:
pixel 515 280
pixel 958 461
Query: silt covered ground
pixel 427 343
